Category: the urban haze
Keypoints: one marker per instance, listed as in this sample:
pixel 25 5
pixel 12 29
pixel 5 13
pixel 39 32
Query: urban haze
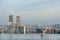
pixel 31 11
pixel 29 19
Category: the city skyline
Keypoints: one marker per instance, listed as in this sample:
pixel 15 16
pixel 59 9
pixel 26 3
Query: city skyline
pixel 31 11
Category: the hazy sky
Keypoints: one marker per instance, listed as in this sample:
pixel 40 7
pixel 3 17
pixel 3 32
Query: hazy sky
pixel 31 11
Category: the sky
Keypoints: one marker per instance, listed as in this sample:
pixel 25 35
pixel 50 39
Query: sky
pixel 31 11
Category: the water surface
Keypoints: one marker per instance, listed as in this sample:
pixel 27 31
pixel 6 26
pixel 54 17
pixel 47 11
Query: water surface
pixel 29 37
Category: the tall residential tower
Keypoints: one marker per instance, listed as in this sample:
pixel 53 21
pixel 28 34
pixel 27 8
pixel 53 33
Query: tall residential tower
pixel 18 22
pixel 10 19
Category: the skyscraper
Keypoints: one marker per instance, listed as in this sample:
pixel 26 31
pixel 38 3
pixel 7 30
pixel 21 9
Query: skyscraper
pixel 11 25
pixel 18 22
pixel 10 19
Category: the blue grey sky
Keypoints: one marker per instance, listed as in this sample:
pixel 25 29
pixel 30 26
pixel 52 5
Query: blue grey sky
pixel 31 11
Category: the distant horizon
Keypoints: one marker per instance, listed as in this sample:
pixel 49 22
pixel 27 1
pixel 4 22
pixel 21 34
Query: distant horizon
pixel 22 21
pixel 31 11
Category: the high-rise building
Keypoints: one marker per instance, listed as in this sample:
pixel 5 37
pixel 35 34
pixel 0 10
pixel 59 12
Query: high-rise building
pixel 57 26
pixel 10 19
pixel 11 25
pixel 18 22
